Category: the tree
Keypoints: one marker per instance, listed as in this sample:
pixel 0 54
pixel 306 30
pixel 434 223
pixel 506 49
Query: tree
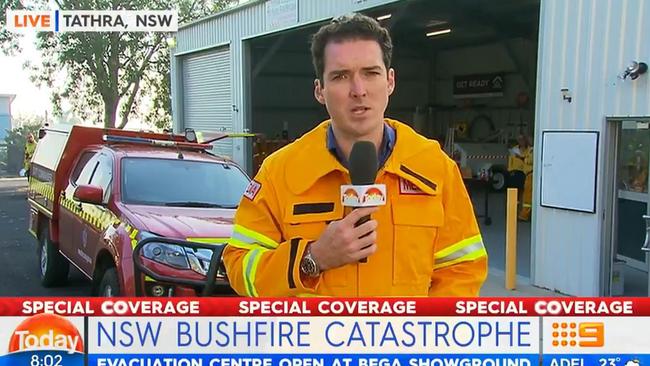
pixel 9 42
pixel 11 157
pixel 107 72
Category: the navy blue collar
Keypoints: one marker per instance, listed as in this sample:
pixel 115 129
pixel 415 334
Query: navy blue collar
pixel 387 145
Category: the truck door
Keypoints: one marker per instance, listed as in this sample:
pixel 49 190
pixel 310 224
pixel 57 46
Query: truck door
pixel 71 222
pixel 99 215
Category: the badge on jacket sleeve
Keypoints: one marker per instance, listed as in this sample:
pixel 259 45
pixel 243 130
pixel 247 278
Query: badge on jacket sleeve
pixel 406 187
pixel 252 190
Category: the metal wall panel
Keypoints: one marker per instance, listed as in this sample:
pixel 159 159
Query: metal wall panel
pixel 583 46
pixel 207 92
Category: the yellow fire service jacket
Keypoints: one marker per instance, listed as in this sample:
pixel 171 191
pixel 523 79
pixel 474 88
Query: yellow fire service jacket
pixel 523 163
pixel 428 240
pixel 30 147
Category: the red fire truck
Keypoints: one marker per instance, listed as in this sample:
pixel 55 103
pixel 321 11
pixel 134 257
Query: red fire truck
pixel 139 214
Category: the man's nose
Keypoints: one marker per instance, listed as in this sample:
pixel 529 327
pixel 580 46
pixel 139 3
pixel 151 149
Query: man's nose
pixel 358 87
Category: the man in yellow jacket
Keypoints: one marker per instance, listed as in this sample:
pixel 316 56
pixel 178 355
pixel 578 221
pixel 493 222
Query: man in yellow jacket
pixel 30 147
pixel 292 235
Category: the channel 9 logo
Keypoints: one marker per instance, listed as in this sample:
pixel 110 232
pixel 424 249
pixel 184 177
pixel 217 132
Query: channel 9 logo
pixel 583 334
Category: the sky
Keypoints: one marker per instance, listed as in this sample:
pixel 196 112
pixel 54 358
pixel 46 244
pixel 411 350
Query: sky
pixel 30 99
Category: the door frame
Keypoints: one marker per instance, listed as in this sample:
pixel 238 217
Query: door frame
pixel 613 126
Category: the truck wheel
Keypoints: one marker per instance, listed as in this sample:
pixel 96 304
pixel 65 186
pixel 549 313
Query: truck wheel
pixel 53 266
pixel 498 180
pixel 110 285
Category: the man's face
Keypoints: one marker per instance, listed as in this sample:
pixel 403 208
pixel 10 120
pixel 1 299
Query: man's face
pixel 521 140
pixel 30 139
pixel 355 87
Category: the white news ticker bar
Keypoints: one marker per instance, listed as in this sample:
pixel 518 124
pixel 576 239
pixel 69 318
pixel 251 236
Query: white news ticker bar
pixel 620 335
pixel 92 20
pixel 525 330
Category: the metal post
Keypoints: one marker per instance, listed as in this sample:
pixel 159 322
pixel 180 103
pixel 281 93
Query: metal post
pixel 511 239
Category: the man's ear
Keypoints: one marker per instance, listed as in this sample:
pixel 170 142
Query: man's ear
pixel 318 92
pixel 391 80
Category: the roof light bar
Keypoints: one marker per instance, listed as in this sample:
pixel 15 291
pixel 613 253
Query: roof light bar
pixel 153 142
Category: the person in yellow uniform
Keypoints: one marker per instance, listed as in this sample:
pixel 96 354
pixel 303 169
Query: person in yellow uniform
pixel 292 236
pixel 30 147
pixel 521 160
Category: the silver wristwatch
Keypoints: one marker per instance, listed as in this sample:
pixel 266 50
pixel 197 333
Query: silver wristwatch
pixel 308 265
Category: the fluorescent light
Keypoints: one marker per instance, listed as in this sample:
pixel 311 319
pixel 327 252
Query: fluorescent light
pixel 439 32
pixel 384 17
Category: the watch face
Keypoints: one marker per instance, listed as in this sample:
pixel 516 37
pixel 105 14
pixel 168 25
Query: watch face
pixel 308 266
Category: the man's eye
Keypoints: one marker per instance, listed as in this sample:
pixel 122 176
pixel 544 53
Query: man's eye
pixel 339 77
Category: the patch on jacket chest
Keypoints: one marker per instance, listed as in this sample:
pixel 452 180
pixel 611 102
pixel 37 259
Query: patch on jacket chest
pixel 406 187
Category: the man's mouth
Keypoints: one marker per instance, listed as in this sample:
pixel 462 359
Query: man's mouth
pixel 359 110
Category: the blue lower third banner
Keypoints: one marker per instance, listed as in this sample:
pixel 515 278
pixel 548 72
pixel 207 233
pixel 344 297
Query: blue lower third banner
pixel 313 360
pixel 614 359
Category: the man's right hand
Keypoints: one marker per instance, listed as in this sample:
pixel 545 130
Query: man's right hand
pixel 342 243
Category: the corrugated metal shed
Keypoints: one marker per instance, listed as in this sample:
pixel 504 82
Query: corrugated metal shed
pixel 583 46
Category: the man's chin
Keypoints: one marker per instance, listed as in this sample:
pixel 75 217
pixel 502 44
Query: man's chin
pixel 364 130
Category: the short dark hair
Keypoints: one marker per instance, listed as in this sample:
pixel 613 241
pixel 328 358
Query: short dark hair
pixel 349 27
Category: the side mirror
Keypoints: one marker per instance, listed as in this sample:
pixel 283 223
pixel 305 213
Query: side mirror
pixel 89 194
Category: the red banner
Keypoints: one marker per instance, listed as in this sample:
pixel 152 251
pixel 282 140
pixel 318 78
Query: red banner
pixel 327 306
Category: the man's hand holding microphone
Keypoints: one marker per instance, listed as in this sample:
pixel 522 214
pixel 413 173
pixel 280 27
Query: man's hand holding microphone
pixel 343 242
pixel 353 238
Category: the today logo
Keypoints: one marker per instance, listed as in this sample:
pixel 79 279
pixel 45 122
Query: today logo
pixel 363 196
pixel 46 332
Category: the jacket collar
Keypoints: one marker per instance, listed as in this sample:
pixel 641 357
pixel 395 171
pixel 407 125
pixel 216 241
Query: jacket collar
pixel 311 159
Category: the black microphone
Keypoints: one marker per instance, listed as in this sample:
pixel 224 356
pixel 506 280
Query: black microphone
pixel 363 165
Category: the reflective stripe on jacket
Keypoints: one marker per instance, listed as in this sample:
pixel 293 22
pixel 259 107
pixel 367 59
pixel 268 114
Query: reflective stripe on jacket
pixel 428 241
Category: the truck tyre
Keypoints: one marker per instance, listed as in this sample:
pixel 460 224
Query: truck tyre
pixel 499 179
pixel 110 284
pixel 53 266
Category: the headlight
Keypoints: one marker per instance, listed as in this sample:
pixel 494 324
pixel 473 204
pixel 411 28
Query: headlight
pixel 169 254
pixel 199 259
pixel 177 256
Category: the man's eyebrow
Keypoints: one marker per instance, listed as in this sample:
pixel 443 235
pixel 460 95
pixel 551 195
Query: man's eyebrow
pixel 344 71
pixel 336 72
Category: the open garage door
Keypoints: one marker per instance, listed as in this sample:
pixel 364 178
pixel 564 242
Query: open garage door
pixel 208 95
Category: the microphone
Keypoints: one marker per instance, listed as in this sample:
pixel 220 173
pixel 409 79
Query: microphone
pixel 363 167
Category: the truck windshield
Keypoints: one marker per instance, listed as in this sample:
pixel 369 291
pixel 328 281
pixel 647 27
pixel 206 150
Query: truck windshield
pixel 181 183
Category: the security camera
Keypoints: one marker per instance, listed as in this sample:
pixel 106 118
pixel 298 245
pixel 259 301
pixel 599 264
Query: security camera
pixel 634 70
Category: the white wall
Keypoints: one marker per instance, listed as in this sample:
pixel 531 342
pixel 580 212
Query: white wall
pixel 584 45
pixel 4 106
